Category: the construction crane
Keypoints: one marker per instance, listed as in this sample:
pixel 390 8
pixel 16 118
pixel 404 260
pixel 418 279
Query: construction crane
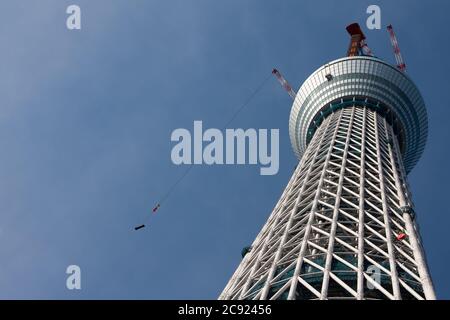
pixel 398 56
pixel 366 50
pixel 358 43
pixel 284 83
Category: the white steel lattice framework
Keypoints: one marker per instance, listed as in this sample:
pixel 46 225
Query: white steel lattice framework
pixel 344 227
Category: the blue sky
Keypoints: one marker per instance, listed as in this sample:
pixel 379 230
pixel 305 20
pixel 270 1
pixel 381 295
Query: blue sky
pixel 86 118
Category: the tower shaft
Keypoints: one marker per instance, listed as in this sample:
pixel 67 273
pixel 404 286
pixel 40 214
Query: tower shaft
pixel 344 227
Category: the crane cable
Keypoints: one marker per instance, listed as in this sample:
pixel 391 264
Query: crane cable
pixel 181 178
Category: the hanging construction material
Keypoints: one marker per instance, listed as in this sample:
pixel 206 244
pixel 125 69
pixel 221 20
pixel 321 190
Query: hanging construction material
pixel 398 56
pixel 174 185
pixel 284 83
pixel 401 236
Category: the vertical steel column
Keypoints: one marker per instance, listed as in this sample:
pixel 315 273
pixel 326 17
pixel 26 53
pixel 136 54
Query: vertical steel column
pixel 419 256
pixel 389 234
pixel 360 279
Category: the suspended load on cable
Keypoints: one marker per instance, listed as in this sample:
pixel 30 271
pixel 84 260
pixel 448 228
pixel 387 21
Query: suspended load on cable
pixel 156 207
pixel 401 236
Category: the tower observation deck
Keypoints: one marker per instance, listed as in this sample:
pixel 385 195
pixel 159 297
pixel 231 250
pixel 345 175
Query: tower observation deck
pixel 344 227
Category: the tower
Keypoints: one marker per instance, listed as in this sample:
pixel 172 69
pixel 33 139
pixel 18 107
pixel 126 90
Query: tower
pixel 344 227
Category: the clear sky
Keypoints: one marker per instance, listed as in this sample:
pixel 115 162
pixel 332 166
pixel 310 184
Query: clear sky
pixel 86 118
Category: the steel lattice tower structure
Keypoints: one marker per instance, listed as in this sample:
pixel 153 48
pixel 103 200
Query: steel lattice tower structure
pixel 344 227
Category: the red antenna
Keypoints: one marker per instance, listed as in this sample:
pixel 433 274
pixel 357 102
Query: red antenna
pixel 398 56
pixel 284 83
pixel 357 41
pixel 357 36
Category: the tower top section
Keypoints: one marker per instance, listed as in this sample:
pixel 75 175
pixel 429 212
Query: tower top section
pixel 361 81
